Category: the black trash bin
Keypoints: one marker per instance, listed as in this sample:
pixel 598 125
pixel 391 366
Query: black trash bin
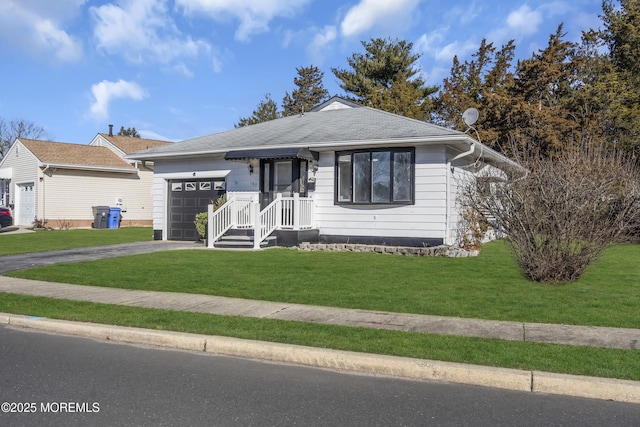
pixel 100 216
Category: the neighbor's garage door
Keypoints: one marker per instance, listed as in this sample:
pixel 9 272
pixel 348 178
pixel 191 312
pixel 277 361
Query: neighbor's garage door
pixel 26 203
pixel 187 198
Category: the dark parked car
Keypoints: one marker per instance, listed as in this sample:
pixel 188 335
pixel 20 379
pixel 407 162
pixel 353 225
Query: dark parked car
pixel 5 218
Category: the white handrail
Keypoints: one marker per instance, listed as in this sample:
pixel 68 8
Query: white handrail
pixel 268 221
pixel 296 213
pixel 220 221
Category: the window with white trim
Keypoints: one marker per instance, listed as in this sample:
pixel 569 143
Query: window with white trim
pixel 383 176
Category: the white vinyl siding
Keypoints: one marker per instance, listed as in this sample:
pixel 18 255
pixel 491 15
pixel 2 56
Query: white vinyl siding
pixel 25 171
pixel 100 141
pixel 70 195
pixel 424 219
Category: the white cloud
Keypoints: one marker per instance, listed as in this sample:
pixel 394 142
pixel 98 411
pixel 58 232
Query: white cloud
pixel 519 23
pixel 287 37
pixel 428 43
pixel 370 13
pixel 149 134
pixel 106 91
pixel 181 68
pixel 461 49
pixel 466 13
pixel 254 15
pixel 437 75
pixel 142 30
pixel 320 43
pixel 559 8
pixel 525 20
pixel 37 27
pixel 216 65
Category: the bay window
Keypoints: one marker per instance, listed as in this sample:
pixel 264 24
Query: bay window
pixel 375 176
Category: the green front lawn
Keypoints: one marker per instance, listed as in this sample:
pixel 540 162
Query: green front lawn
pixel 488 287
pixel 23 243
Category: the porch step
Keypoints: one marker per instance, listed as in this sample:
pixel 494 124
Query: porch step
pixel 242 242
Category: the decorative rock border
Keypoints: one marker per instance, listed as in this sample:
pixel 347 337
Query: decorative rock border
pixel 433 251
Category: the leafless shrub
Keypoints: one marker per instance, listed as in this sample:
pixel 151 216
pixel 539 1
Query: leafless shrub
pixel 562 212
pixel 40 224
pixel 63 224
pixel 472 229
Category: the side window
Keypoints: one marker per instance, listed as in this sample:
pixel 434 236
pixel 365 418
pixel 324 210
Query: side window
pixel 344 181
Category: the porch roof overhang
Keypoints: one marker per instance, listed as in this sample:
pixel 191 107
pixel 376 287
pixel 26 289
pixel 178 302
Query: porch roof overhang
pixel 272 154
pixel 6 173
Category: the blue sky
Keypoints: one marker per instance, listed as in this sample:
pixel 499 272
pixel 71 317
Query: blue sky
pixel 178 69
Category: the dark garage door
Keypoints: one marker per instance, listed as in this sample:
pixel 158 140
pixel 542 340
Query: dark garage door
pixel 187 198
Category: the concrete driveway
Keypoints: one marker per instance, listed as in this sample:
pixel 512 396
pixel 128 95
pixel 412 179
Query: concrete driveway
pixel 37 259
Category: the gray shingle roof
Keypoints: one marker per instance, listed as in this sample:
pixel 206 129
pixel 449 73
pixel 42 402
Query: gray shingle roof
pixel 313 129
pixel 328 129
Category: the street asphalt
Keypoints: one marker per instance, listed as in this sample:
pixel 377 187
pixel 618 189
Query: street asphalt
pixel 628 391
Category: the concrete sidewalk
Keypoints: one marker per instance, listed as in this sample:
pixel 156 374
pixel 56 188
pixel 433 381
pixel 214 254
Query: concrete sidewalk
pixel 514 331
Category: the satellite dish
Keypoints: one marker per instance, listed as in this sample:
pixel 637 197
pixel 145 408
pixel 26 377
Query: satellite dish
pixel 470 116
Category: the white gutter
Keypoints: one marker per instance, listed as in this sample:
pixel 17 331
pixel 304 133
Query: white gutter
pixel 86 167
pixel 337 145
pixel 487 152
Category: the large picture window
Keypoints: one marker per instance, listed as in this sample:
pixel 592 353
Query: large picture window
pixel 375 176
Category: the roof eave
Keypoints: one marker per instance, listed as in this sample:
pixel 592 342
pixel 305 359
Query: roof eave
pixel 450 139
pixel 316 146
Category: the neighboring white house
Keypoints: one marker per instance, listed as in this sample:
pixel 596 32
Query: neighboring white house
pixel 341 173
pixel 61 182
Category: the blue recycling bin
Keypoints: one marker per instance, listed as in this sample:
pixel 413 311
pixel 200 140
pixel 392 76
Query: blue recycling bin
pixel 114 217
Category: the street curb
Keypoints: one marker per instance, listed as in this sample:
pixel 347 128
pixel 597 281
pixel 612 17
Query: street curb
pixel 347 361
pixel 373 364
pixel 177 340
pixel 590 387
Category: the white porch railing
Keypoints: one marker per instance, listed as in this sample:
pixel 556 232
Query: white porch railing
pixel 293 213
pixel 235 213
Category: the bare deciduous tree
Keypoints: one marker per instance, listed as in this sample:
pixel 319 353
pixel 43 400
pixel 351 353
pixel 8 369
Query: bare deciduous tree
pixel 13 129
pixel 563 212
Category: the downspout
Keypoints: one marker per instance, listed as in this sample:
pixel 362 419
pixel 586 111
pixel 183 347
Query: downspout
pixel 44 196
pixel 449 173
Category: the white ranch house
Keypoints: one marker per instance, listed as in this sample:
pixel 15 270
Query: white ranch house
pixel 341 173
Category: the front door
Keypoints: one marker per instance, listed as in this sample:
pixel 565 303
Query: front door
pixel 285 177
